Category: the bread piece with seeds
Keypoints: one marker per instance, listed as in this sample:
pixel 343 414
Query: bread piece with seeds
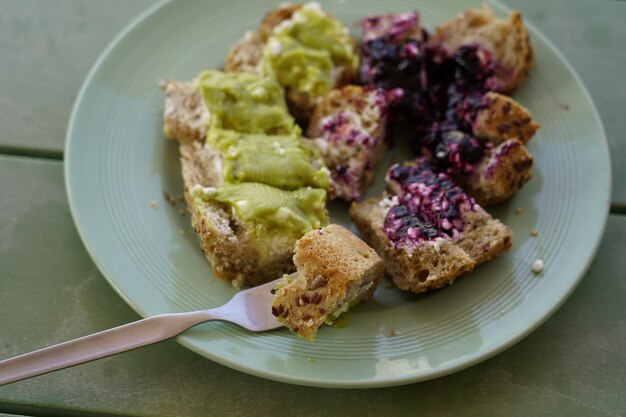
pixel 427 266
pixel 428 231
pixel 501 172
pixel 246 54
pixel 233 252
pixel 503 118
pixel 348 127
pixel 505 39
pixel 257 51
pixel 185 115
pixel 335 271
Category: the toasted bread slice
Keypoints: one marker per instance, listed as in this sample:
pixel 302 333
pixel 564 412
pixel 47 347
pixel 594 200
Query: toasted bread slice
pixel 335 270
pixel 503 118
pixel 428 266
pixel 505 39
pixel 186 116
pixel 428 254
pixel 233 254
pixel 247 56
pixel 191 109
pixel 501 173
pixel 348 126
pixel 275 17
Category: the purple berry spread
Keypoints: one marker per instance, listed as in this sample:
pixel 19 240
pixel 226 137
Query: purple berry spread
pixel 344 127
pixel 427 205
pixel 350 131
pixel 442 90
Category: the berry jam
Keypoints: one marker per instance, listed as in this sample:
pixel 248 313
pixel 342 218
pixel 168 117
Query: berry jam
pixel 427 205
pixel 347 133
pixel 451 150
pixel 442 91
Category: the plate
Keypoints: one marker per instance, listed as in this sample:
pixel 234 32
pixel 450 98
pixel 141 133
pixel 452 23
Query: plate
pixel 117 163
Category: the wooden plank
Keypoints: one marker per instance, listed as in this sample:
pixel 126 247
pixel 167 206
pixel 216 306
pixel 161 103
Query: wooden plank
pixel 46 50
pixel 50 291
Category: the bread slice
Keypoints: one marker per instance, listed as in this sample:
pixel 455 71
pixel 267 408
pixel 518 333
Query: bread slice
pixel 501 173
pixel 247 56
pixel 233 254
pixel 186 116
pixel 254 104
pixel 348 126
pixel 428 266
pixel 499 127
pixel 503 118
pixel 505 39
pixel 275 17
pixel 419 263
pixel 335 270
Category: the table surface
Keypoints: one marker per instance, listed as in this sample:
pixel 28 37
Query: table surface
pixel 50 290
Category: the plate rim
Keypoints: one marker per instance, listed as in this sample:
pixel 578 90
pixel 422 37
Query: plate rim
pixel 389 381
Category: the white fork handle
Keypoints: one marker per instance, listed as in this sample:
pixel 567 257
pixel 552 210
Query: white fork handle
pixel 100 345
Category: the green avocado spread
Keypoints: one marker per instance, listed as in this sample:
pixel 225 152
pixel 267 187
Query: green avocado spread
pixel 246 102
pixel 302 51
pixel 285 162
pixel 264 208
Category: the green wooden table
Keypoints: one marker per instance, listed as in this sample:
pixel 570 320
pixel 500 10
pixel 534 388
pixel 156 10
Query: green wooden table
pixel 50 290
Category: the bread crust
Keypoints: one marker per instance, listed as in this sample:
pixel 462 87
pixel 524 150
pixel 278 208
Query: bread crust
pixel 506 39
pixel 233 254
pixel 274 17
pixel 432 264
pixel 185 115
pixel 247 56
pixel 504 118
pixel 500 174
pixel 334 269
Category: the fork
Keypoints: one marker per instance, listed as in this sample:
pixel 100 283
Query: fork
pixel 249 309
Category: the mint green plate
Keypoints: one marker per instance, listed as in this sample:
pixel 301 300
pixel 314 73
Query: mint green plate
pixel 117 162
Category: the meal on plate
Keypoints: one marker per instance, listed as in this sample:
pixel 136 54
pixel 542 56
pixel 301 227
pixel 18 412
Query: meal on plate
pixel 301 115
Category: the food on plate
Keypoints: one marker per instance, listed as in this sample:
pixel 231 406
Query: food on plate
pixel 242 102
pixel 255 186
pixel 506 40
pixel 335 271
pixel 349 127
pixel 502 118
pixel 427 230
pixel 304 48
pixel 185 115
pixel 450 101
pixel 285 162
pixel 246 230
